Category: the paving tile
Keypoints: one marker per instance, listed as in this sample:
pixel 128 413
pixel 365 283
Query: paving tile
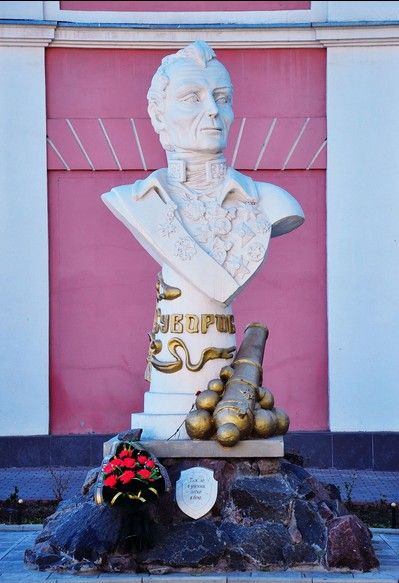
pixel 360 485
pixel 40 483
pixel 23 575
pixel 60 578
pixel 376 577
pixel 273 577
pixel 113 578
pixel 277 576
pixel 184 578
pixel 13 570
pixel 332 576
pixel 14 550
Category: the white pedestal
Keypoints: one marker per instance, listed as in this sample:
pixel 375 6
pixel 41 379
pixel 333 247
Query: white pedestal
pixel 172 395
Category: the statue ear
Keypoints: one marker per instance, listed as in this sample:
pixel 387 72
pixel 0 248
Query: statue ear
pixel 158 123
pixel 156 116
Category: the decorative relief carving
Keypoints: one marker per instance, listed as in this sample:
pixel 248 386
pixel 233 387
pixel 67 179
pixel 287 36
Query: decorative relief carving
pixel 231 232
pixel 185 248
pixel 256 251
pixel 215 170
pixel 165 291
pixel 168 228
pixel 177 363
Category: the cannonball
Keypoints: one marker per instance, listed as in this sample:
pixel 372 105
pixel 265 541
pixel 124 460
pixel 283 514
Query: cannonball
pixel 207 400
pixel 226 373
pixel 216 385
pixel 228 434
pixel 283 421
pixel 199 424
pixel 265 423
pixel 266 399
pixel 244 423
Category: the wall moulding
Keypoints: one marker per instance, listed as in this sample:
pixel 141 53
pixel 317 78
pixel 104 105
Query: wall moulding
pixel 26 34
pixel 169 36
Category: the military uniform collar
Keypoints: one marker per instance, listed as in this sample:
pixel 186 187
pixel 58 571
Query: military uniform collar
pixel 235 185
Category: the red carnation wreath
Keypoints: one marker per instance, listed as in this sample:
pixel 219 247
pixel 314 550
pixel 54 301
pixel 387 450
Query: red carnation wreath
pixel 130 478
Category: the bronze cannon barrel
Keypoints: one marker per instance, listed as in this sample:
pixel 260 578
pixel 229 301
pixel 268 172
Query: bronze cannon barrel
pixel 234 415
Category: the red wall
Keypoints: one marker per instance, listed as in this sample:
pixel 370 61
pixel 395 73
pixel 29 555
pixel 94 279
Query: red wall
pixel 102 282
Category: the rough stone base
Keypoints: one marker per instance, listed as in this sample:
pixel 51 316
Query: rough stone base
pixel 269 514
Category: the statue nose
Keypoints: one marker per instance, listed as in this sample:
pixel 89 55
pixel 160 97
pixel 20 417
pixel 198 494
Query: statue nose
pixel 212 107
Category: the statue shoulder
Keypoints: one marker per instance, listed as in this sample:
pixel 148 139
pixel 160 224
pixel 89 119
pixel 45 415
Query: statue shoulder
pixel 282 209
pixel 130 193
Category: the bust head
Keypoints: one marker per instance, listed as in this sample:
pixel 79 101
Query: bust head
pixel 189 101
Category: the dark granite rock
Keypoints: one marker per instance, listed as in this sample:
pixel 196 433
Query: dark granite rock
pixel 90 480
pixel 266 497
pixel 130 435
pixel 294 473
pixel 300 554
pixel 333 491
pixel 43 556
pixel 310 524
pixel 337 507
pixel 119 563
pixel 325 512
pixel 319 492
pixel 189 544
pixel 268 466
pixel 88 531
pixel 80 529
pixel 349 544
pixel 260 545
pixel 268 514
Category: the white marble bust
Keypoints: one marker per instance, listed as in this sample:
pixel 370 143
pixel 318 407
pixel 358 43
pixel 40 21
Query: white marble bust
pixel 207 225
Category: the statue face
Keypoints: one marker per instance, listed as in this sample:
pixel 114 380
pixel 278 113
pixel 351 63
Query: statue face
pixel 198 112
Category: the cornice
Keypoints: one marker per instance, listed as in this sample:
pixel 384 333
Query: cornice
pixel 171 36
pixel 27 33
pixel 357 34
pixel 235 37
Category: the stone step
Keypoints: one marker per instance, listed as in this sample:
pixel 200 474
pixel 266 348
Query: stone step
pixel 168 403
pixel 157 426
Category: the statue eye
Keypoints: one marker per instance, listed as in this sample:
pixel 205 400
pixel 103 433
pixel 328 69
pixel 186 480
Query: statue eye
pixel 191 98
pixel 222 99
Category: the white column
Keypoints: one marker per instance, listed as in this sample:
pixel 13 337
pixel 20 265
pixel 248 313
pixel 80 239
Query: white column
pixel 24 401
pixel 363 237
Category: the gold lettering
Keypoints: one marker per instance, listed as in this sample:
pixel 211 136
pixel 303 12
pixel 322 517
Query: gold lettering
pixel 221 323
pixel 192 323
pixel 163 323
pixel 176 325
pixel 206 321
pixel 231 326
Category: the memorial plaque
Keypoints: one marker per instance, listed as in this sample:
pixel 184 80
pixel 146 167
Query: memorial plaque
pixel 196 491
